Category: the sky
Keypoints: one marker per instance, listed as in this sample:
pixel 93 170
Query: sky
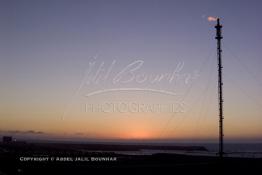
pixel 122 69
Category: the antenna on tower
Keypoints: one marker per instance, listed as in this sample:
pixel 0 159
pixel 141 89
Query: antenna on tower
pixel 220 89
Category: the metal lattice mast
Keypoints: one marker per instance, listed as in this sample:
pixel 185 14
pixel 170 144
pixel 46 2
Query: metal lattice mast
pixel 220 89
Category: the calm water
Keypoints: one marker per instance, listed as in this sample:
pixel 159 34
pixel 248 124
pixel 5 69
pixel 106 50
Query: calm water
pixel 251 150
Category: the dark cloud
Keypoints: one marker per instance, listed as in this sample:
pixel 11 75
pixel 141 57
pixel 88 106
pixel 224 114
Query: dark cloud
pixel 21 132
pixel 79 133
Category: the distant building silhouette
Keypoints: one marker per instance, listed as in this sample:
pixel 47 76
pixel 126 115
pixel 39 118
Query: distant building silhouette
pixel 7 139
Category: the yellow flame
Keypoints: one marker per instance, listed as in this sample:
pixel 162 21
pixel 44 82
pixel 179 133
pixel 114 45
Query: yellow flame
pixel 211 18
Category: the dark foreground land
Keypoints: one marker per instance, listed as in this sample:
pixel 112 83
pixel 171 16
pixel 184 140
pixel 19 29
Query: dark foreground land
pixel 51 158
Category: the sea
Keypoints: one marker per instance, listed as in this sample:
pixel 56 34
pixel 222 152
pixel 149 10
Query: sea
pixel 245 150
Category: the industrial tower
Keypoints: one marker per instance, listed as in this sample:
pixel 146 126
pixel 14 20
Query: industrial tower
pixel 220 89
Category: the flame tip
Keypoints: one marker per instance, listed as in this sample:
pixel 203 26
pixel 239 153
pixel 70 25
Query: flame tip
pixel 211 18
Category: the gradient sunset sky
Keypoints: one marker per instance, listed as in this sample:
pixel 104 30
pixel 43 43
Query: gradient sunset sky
pixel 49 90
